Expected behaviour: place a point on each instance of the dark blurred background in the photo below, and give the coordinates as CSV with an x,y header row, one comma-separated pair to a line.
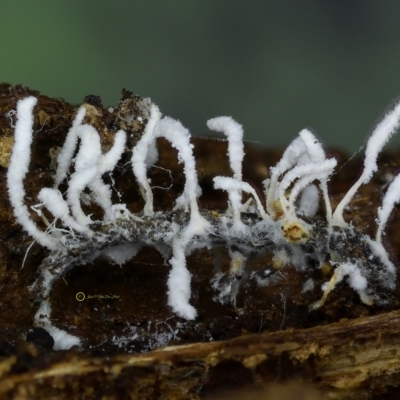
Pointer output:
x,y
275,66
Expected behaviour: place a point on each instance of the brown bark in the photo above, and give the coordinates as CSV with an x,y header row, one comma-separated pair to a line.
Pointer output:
x,y
346,349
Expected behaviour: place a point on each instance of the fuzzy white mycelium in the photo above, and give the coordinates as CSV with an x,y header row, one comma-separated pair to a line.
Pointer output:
x,y
287,227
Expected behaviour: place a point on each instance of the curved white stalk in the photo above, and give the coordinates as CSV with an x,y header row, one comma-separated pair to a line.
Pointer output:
x,y
140,155
305,175
392,197
234,133
67,152
379,137
18,168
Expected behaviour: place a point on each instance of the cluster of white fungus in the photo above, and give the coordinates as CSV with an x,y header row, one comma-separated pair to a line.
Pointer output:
x,y
285,227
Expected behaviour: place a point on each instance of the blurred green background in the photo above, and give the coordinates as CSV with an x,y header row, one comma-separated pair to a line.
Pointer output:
x,y
275,66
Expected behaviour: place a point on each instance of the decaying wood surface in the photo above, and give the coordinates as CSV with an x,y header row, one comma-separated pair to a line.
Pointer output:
x,y
348,359
346,350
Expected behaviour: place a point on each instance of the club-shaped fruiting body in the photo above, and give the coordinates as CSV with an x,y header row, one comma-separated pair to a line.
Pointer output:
x,y
287,227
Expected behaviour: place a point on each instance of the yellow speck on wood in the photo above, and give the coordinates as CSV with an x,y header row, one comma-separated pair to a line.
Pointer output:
x,y
294,232
326,268
253,361
6,145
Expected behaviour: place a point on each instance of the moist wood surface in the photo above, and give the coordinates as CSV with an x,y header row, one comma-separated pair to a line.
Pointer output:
x,y
346,349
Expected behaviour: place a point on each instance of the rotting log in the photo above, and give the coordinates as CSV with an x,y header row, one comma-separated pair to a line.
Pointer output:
x,y
346,359
346,349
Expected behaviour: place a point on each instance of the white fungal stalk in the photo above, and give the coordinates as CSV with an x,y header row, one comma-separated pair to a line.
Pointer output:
x,y
379,137
391,198
234,133
315,152
303,151
18,168
67,151
305,175
86,170
54,202
317,155
108,161
355,279
140,155
90,165
179,290
234,188
288,160
179,277
179,137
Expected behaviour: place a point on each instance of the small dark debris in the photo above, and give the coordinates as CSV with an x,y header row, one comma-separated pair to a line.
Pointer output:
x,y
40,337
